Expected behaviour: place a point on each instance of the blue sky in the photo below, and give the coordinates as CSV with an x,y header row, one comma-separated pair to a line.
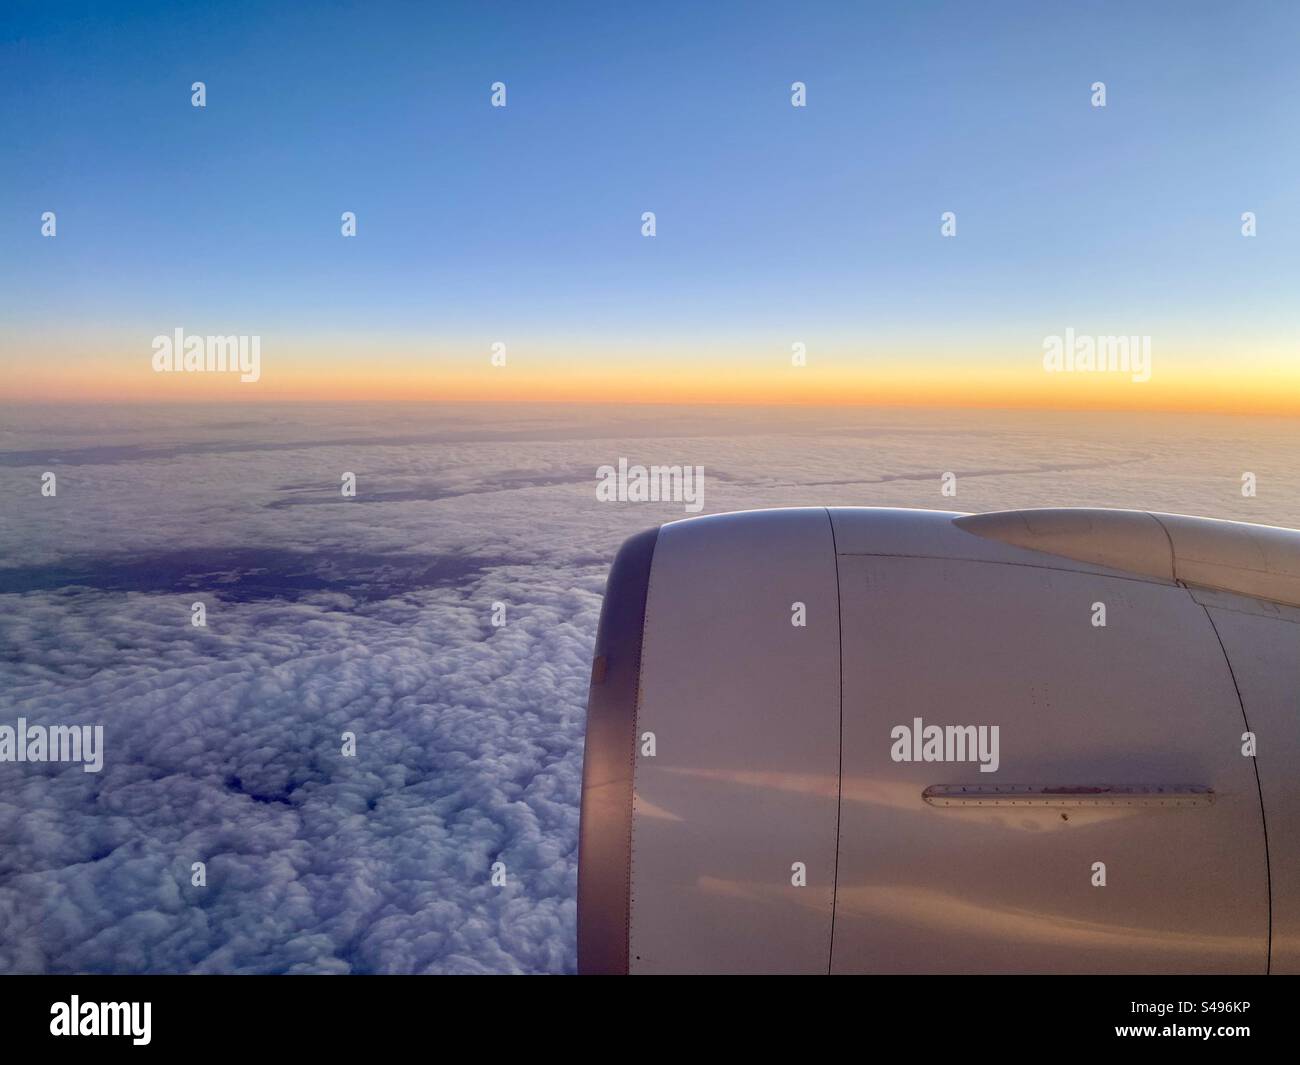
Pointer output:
x,y
820,222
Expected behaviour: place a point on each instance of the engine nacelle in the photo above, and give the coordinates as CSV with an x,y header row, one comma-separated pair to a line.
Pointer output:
x,y
868,740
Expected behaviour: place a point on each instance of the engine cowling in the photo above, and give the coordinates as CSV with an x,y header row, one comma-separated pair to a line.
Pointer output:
x,y
867,740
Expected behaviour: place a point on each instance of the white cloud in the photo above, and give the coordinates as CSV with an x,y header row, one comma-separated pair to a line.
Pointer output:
x,y
325,615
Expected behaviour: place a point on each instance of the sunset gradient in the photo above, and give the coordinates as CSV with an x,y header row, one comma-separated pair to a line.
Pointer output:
x,y
776,225
1268,383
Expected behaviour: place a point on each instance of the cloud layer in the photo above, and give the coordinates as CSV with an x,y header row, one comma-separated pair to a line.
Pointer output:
x,y
373,616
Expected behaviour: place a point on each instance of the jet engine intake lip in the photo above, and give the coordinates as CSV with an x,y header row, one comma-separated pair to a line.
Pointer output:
x,y
605,835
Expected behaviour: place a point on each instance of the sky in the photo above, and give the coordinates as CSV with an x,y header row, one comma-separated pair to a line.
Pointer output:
x,y
775,224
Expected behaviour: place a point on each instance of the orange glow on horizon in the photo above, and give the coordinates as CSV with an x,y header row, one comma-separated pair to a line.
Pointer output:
x,y
1263,390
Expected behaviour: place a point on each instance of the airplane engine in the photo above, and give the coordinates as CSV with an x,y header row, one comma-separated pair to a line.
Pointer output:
x,y
859,740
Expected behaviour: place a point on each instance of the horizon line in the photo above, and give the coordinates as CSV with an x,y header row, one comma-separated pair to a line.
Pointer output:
x,y
1289,410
